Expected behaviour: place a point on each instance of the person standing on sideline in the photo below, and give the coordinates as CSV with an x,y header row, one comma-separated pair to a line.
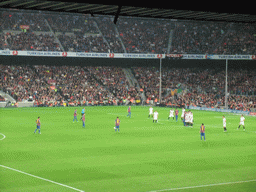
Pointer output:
x,y
129,111
224,123
202,131
83,111
117,123
241,122
83,119
38,124
75,116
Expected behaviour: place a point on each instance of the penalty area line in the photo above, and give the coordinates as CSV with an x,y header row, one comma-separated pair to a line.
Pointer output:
x,y
198,186
63,185
3,136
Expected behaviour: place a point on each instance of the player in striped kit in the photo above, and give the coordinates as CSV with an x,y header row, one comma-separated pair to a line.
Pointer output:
x,y
75,116
117,123
202,131
83,119
38,125
129,112
176,114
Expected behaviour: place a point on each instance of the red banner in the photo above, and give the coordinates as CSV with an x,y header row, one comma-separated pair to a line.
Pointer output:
x,y
174,55
24,26
253,113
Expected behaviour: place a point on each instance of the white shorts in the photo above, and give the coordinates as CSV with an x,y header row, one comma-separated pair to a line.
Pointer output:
x,y
155,119
182,115
241,123
224,124
171,115
150,113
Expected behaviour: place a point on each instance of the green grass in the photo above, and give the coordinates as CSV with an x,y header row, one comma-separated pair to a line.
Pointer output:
x,y
142,157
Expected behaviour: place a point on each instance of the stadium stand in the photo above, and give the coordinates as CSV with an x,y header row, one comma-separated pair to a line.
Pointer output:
x,y
84,33
50,84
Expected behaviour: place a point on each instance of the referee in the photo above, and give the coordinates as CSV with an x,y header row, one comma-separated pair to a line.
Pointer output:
x,y
83,111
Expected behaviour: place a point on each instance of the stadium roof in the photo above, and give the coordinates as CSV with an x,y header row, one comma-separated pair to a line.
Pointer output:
x,y
204,11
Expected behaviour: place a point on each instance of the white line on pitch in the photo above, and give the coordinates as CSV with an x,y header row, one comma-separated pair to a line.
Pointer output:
x,y
3,137
209,185
41,178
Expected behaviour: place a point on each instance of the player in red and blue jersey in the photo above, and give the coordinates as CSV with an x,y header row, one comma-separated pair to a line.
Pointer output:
x,y
83,119
75,116
38,124
176,114
117,123
129,111
202,131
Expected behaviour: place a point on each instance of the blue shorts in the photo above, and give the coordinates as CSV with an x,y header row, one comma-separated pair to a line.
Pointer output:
x,y
117,127
202,134
38,126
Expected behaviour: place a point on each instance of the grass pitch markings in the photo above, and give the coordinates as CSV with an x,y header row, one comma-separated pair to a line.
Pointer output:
x,y
3,136
209,185
42,178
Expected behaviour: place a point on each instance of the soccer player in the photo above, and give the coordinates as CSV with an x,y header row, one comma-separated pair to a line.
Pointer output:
x,y
83,119
75,116
83,111
190,118
202,131
241,122
129,111
117,123
171,114
224,123
155,117
150,111
182,114
176,114
38,124
184,119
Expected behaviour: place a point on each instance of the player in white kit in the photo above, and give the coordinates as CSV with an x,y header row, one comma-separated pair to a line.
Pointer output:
x,y
241,122
224,123
191,119
155,117
182,113
150,112
171,114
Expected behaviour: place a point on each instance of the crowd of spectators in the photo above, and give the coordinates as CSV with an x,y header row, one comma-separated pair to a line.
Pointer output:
x,y
114,79
81,43
13,20
240,40
144,36
79,84
71,23
213,38
108,31
201,87
31,42
197,37
52,85
23,84
85,33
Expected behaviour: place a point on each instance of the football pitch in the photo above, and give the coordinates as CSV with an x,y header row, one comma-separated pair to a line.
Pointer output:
x,y
144,156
